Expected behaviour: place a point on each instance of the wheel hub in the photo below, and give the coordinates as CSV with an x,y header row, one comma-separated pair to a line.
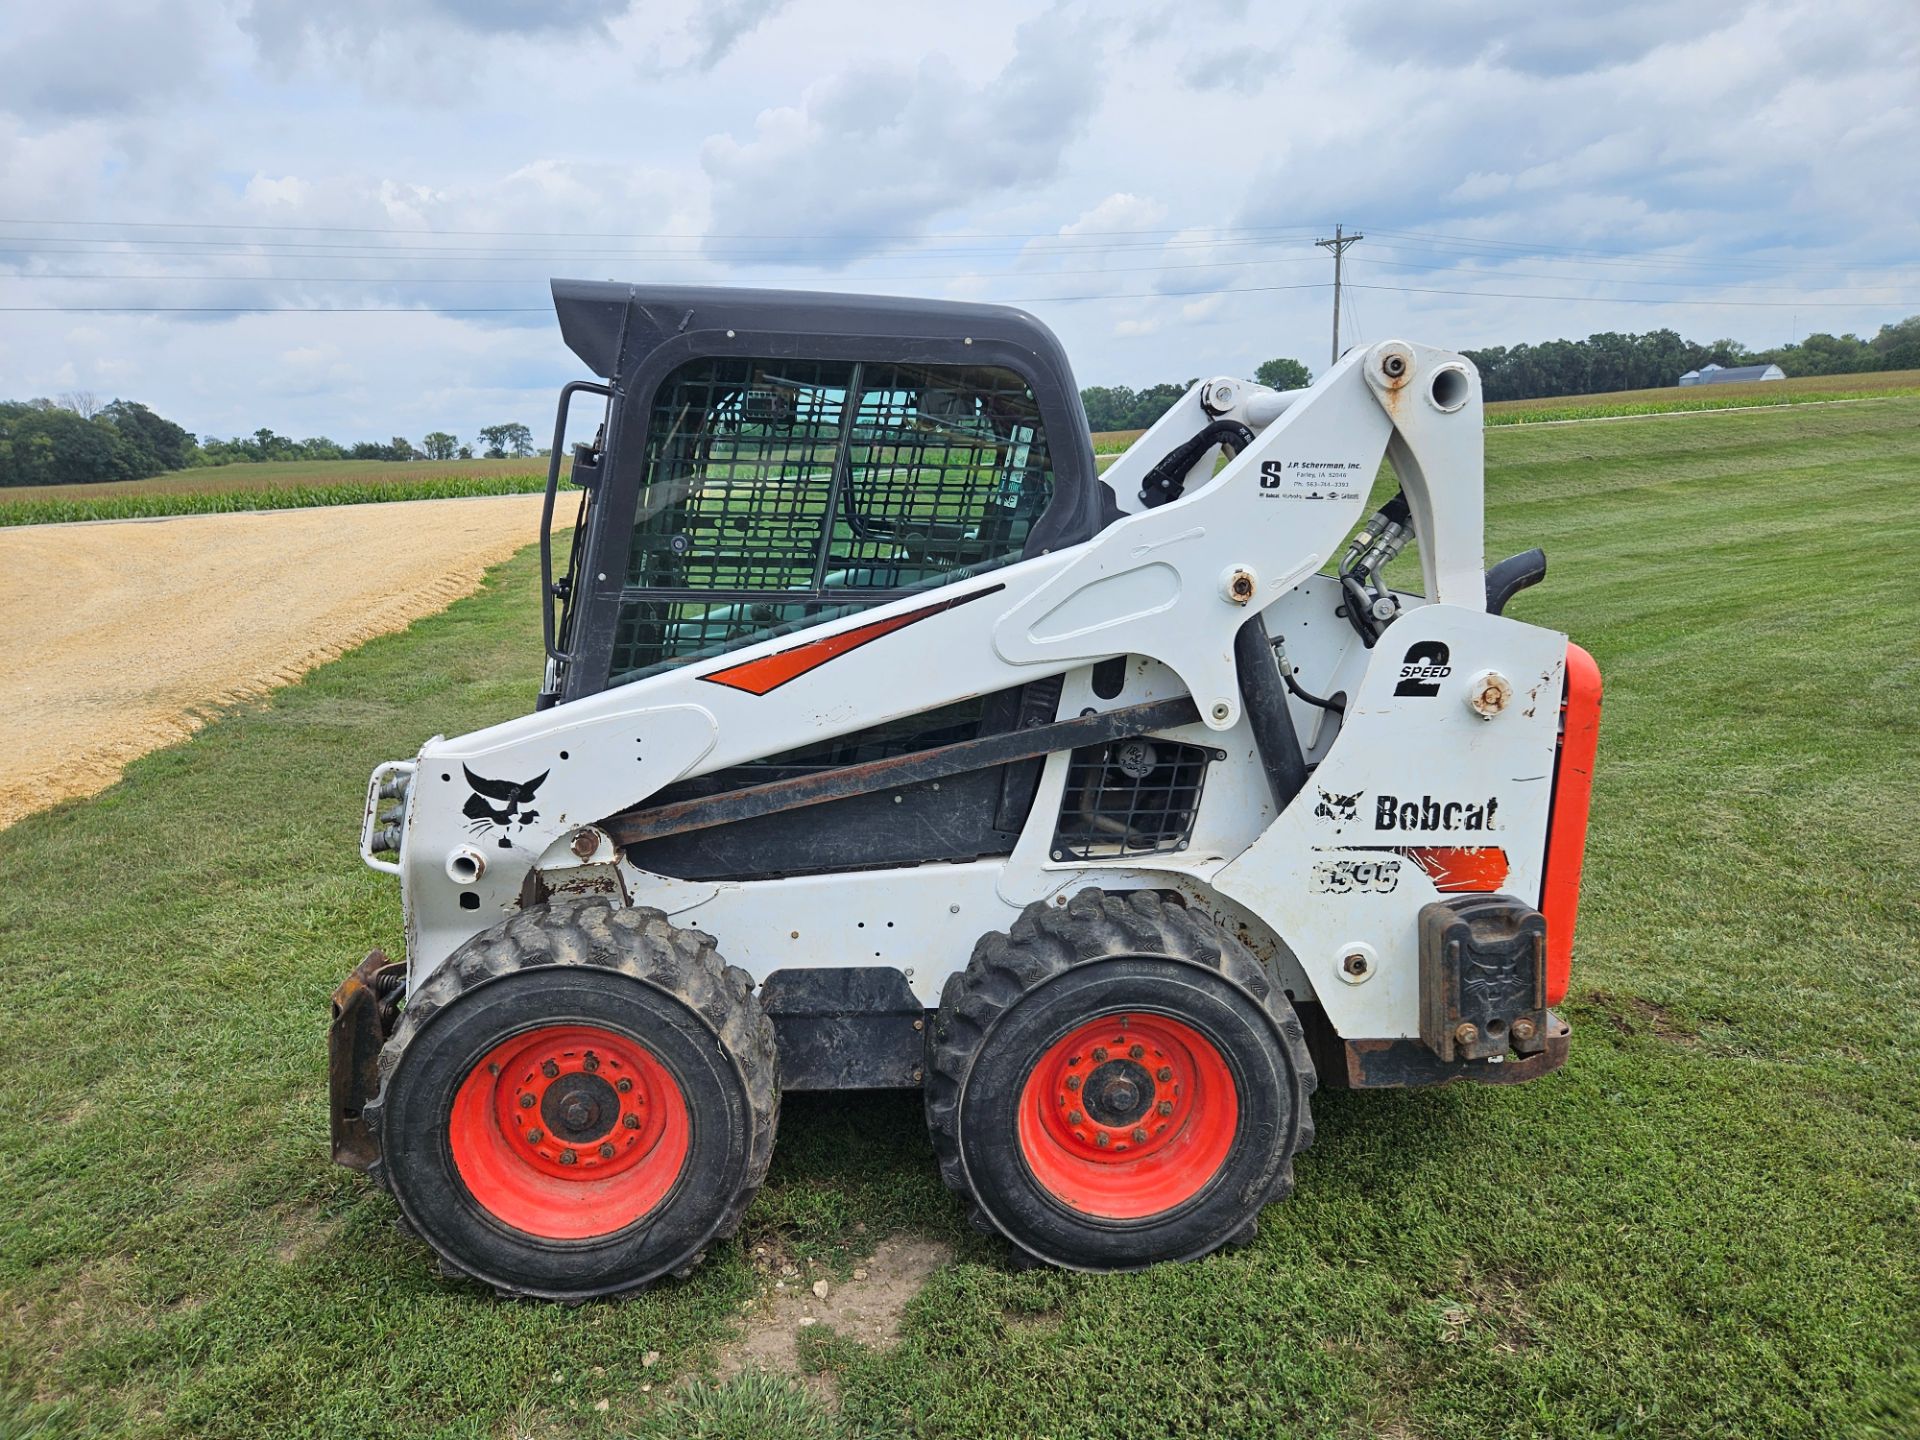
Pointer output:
x,y
1122,1088
1118,1093
575,1104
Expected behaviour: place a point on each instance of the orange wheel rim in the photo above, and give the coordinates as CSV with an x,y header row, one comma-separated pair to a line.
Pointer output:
x,y
1128,1116
569,1131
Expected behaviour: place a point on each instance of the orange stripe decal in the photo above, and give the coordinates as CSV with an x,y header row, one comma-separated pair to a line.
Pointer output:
x,y
1460,869
770,672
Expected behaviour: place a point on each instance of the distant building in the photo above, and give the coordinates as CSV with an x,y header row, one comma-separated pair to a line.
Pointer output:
x,y
1734,375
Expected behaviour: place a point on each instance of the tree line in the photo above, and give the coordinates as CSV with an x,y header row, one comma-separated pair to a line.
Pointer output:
x,y
1611,361
75,440
1600,363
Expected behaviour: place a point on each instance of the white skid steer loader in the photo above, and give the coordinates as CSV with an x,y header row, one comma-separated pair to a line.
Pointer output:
x,y
1116,812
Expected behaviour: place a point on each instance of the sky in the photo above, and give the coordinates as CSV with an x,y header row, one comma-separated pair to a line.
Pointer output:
x,y
341,218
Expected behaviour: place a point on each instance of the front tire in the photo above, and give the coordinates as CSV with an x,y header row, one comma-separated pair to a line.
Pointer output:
x,y
1116,1083
578,1101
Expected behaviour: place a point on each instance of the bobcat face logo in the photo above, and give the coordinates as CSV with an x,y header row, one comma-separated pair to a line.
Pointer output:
x,y
1339,808
512,795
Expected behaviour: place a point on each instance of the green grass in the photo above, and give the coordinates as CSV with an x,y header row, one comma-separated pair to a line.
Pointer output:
x,y
1707,1225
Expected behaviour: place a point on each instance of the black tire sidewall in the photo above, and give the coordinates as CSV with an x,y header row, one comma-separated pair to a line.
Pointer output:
x,y
1249,1042
435,1199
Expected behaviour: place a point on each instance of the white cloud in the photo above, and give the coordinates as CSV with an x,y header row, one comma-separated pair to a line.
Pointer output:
x,y
452,155
883,149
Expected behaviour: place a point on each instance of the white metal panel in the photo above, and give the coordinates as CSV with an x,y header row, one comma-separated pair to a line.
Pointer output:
x,y
1434,753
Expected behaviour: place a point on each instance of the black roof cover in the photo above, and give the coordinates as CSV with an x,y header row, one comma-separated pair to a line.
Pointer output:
x,y
605,322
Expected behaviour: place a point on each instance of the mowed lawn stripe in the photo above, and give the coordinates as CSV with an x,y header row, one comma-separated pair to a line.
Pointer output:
x,y
1706,1225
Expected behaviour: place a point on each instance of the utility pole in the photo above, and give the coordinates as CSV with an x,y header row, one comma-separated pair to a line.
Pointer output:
x,y
1338,245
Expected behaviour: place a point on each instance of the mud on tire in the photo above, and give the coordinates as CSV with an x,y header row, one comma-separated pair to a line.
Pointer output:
x,y
1115,1082
579,1100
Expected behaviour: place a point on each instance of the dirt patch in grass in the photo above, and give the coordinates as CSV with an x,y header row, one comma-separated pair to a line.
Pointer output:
x,y
1633,1015
866,1306
1500,1301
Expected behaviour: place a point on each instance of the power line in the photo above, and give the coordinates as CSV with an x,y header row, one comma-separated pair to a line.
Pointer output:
x,y
1338,245
319,249
642,234
548,309
1006,300
544,277
1222,237
1646,299
1542,248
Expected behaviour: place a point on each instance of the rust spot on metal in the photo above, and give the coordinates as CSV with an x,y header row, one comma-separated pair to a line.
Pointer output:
x,y
1394,1064
364,1006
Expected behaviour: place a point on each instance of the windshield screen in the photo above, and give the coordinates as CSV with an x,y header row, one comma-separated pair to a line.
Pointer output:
x,y
778,494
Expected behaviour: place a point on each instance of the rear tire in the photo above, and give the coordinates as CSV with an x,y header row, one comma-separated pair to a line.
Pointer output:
x,y
578,1101
1115,1083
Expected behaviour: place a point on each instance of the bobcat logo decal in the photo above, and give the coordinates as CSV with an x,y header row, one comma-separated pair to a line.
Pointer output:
x,y
511,795
1339,808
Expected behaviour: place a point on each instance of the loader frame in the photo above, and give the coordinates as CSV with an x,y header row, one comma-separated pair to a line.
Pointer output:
x,y
1166,593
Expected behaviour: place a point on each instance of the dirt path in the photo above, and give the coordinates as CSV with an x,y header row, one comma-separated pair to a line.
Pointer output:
x,y
116,636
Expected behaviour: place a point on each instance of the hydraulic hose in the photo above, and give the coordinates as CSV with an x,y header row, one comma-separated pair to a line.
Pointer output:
x,y
1267,713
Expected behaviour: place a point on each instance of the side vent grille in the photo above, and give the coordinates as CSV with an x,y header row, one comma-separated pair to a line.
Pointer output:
x,y
1130,797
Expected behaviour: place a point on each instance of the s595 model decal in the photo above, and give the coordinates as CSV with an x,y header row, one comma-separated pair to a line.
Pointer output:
x,y
1346,877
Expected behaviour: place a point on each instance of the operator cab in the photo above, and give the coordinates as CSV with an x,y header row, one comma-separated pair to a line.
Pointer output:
x,y
769,460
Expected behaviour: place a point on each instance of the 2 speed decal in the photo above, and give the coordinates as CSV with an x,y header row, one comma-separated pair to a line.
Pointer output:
x,y
1423,667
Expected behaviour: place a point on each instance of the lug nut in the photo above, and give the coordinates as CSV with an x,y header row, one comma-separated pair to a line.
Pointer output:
x,y
1136,1052
623,1085
591,1063
1073,1082
1074,1117
1140,1136
567,1157
492,1069
1165,1107
1099,1054
1467,1033
526,1102
1165,1073
1102,1139
632,1122
534,1137
606,1152
549,1069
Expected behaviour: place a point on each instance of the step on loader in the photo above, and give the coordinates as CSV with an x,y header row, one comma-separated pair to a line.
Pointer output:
x,y
883,741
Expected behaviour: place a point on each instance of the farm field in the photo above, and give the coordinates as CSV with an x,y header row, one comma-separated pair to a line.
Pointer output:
x,y
155,623
285,474
271,485
1707,1225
